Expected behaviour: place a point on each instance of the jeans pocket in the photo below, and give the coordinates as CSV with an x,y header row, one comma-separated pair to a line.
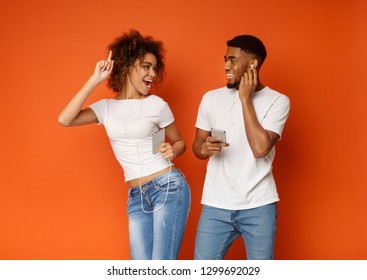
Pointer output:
x,y
173,184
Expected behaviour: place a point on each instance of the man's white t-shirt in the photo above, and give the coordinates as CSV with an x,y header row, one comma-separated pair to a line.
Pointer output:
x,y
235,179
129,125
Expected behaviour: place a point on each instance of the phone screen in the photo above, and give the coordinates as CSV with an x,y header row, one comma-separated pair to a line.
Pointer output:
x,y
157,139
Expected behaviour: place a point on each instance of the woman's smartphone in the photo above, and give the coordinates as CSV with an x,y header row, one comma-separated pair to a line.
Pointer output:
x,y
218,133
157,139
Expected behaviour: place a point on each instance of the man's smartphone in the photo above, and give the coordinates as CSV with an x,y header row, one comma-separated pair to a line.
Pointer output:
x,y
157,139
218,133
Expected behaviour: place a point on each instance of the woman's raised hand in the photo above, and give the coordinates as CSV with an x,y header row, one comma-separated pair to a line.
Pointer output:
x,y
103,68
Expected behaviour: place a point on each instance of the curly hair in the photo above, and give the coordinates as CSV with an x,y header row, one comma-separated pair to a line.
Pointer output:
x,y
126,49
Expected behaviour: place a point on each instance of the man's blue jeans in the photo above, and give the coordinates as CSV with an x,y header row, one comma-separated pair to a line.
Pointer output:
x,y
157,218
218,228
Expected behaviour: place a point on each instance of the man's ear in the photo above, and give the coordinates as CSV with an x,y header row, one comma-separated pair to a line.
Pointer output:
x,y
254,64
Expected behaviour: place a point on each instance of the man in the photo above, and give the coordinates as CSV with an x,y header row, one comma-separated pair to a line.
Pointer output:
x,y
239,195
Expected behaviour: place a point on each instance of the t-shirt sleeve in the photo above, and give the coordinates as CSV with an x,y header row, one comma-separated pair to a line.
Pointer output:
x,y
202,120
99,109
277,115
165,117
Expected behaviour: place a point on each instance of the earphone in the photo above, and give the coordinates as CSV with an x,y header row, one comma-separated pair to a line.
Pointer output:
x,y
141,172
254,64
128,96
165,199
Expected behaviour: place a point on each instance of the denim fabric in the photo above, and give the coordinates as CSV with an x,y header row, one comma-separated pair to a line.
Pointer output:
x,y
218,228
157,218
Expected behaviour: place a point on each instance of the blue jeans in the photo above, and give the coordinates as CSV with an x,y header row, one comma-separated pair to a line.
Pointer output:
x,y
218,228
157,217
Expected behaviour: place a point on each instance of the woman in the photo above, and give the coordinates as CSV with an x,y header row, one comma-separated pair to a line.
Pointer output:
x,y
159,196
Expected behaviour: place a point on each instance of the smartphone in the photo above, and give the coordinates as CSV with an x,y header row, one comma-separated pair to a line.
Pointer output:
x,y
218,133
157,139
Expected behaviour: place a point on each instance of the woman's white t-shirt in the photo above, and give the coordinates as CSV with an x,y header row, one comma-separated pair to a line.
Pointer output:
x,y
130,124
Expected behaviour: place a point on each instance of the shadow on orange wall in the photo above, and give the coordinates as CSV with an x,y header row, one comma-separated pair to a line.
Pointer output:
x,y
62,194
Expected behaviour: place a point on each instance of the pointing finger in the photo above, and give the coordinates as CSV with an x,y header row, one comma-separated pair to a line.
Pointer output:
x,y
109,55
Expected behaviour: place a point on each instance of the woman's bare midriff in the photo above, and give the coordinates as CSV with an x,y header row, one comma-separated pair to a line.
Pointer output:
x,y
140,181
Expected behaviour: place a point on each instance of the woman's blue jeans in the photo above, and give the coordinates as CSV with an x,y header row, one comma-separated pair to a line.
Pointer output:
x,y
158,213
218,228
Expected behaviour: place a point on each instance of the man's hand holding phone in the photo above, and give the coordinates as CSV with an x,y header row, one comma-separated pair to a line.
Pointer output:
x,y
213,144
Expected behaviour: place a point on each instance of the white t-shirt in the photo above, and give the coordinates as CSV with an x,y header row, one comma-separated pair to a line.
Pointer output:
x,y
235,179
129,125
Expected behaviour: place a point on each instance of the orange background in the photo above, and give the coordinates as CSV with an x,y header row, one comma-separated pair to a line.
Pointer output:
x,y
62,194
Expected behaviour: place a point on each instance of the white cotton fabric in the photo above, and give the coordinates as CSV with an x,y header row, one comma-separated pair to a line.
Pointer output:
x,y
129,125
235,179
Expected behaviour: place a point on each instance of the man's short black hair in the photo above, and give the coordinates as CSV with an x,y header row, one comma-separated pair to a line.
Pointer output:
x,y
249,44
